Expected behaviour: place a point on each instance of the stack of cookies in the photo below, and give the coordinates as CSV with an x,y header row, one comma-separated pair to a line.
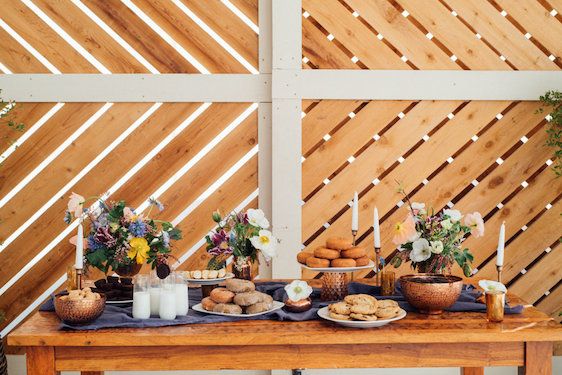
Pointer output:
x,y
238,297
364,307
339,252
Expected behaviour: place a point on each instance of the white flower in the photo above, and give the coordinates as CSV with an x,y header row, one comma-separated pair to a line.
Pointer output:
x,y
257,218
436,247
492,286
454,215
447,224
298,290
418,207
264,242
421,251
414,237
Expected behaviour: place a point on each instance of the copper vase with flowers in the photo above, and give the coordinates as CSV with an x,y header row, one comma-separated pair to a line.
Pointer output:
x,y
242,235
122,238
433,243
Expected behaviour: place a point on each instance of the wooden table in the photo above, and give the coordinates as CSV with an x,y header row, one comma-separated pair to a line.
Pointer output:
x,y
463,340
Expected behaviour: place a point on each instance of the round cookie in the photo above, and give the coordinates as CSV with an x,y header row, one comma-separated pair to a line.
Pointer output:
x,y
363,261
221,295
258,307
343,262
323,253
337,316
303,256
354,252
364,309
340,308
264,297
227,308
314,262
384,303
208,304
247,298
339,243
365,317
388,312
239,285
360,299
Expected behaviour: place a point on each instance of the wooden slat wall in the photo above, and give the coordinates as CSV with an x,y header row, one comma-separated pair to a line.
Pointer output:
x,y
36,248
356,146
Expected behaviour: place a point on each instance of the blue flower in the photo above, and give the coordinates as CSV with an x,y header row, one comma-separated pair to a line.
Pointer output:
x,y
156,203
67,217
93,245
166,239
137,228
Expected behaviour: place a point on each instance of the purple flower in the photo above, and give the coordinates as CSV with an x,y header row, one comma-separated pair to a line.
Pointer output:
x,y
103,236
137,228
67,217
93,245
242,217
156,203
220,243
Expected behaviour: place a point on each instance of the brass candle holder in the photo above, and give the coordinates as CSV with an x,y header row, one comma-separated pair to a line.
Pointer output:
x,y
354,235
495,302
377,273
500,269
79,278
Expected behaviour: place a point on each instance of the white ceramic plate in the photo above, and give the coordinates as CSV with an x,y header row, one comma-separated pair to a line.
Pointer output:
x,y
122,302
229,275
276,306
325,314
341,269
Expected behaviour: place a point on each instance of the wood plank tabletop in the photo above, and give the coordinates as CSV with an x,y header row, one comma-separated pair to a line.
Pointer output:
x,y
42,329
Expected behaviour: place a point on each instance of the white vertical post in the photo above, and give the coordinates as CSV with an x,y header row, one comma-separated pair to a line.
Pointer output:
x,y
264,121
286,134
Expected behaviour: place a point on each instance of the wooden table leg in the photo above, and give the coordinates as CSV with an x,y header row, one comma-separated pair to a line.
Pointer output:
x,y
40,360
472,370
538,358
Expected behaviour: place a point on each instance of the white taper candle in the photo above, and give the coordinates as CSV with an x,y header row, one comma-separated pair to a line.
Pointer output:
x,y
355,213
501,246
79,264
376,228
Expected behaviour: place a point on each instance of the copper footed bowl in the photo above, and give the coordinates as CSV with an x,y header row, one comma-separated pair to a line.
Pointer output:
x,y
431,293
79,311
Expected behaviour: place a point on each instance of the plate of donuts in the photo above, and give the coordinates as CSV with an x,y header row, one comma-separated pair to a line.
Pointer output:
x,y
208,277
238,298
338,255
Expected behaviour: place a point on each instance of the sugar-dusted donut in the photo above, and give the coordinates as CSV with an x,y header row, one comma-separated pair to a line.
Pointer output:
x,y
227,308
363,261
303,256
208,304
314,262
354,252
221,295
239,285
342,262
324,253
339,243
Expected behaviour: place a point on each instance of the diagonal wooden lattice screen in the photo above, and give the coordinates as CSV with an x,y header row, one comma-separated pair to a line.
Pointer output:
x,y
196,157
488,156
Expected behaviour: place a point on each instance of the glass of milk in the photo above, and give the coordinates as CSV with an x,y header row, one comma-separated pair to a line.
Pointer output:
x,y
167,308
154,289
141,297
182,301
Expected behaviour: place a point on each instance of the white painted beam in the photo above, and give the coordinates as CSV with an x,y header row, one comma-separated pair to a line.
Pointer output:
x,y
286,134
428,85
136,87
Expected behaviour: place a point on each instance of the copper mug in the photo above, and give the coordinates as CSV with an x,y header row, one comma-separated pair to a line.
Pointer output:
x,y
495,302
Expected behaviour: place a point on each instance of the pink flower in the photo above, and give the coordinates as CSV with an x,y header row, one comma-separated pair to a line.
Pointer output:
x,y
405,231
76,204
476,224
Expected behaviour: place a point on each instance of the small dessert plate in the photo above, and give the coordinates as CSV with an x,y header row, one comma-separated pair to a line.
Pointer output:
x,y
229,275
276,306
325,314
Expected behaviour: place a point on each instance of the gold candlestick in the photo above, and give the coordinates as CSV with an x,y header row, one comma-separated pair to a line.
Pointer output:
x,y
354,234
500,269
377,275
79,278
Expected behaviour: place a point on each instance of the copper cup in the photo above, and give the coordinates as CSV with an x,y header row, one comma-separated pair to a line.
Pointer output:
x,y
495,302
387,283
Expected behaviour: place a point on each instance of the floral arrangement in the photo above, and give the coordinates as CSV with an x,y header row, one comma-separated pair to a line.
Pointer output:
x,y
242,235
119,237
298,290
433,241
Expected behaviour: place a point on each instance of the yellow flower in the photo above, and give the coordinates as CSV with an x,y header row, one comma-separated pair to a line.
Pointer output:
x,y
139,249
